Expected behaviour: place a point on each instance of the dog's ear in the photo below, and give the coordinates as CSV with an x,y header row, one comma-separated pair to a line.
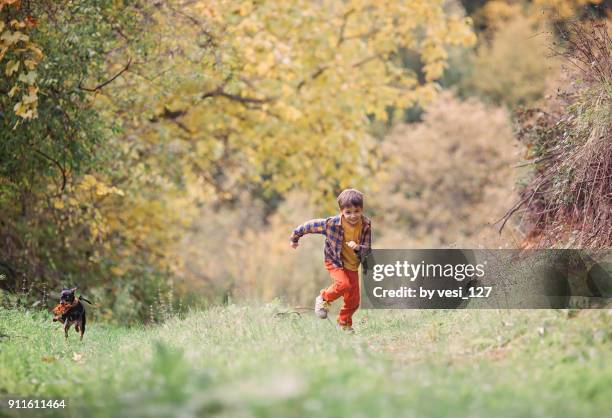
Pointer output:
x,y
73,289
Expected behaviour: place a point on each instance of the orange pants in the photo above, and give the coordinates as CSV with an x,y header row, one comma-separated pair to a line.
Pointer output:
x,y
345,284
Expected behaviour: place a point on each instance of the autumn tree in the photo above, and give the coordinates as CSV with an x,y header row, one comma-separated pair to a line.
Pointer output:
x,y
154,108
271,96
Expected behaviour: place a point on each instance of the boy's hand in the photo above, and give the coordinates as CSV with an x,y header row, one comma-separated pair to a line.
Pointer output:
x,y
353,245
293,244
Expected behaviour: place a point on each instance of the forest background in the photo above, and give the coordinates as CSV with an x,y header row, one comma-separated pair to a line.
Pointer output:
x,y
157,154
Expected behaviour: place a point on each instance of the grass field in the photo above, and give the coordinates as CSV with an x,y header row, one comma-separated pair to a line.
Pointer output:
x,y
245,361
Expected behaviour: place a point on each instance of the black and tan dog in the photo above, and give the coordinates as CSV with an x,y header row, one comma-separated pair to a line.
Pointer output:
x,y
71,311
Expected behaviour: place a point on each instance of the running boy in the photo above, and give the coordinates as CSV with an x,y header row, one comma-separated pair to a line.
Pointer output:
x,y
348,240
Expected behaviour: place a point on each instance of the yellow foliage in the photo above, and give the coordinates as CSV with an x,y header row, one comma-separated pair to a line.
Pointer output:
x,y
279,93
11,67
87,203
13,39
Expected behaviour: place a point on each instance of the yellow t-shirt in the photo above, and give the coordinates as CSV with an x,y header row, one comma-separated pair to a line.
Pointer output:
x,y
350,259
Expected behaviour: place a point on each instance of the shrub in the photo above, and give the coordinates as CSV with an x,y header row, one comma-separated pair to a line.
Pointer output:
x,y
568,198
444,180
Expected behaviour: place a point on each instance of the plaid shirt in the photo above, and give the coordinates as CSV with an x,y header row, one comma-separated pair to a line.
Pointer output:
x,y
332,229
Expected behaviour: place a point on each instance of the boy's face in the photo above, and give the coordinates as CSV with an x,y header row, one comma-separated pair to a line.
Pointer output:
x,y
352,214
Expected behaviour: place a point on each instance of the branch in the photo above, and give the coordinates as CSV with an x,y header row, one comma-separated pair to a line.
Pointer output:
x,y
367,34
526,199
62,170
345,17
314,76
219,92
367,59
100,86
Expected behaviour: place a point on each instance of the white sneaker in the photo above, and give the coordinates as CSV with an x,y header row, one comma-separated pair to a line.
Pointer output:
x,y
321,307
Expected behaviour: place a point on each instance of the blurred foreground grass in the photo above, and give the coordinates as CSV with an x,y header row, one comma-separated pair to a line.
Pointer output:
x,y
245,361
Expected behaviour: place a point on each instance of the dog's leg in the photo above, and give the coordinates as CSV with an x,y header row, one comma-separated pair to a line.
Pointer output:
x,y
83,321
78,327
66,328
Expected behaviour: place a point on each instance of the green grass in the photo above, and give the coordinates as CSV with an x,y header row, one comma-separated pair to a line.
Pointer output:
x,y
243,361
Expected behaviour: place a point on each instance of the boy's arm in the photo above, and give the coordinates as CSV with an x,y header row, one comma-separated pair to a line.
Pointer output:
x,y
364,249
314,226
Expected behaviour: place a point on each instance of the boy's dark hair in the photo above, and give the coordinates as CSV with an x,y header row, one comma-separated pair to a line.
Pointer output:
x,y
350,197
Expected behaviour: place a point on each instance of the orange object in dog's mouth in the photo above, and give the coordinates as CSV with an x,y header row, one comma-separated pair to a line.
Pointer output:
x,y
61,308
